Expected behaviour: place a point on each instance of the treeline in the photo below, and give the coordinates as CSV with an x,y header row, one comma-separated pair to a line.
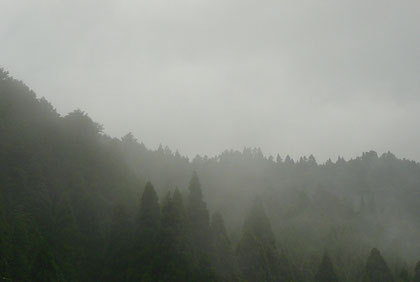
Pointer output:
x,y
75,205
176,242
173,241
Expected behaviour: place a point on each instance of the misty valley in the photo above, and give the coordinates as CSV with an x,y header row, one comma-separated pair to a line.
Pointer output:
x,y
79,205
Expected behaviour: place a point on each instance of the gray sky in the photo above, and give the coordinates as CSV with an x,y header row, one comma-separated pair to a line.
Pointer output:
x,y
292,77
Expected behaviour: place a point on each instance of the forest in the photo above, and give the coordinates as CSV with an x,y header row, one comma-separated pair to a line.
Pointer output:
x,y
79,205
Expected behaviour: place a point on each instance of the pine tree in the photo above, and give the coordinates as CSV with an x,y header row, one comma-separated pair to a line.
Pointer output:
x,y
147,232
198,218
376,269
44,267
403,275
148,218
118,250
222,256
198,233
326,271
257,253
172,257
417,273
64,236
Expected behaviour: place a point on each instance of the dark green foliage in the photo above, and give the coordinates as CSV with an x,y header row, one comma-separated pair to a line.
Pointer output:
x,y
118,254
148,219
198,219
403,275
326,271
44,267
173,261
147,235
257,253
222,255
376,269
417,272
198,234
70,211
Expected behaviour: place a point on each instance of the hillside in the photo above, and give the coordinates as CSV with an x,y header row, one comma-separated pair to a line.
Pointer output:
x,y
78,205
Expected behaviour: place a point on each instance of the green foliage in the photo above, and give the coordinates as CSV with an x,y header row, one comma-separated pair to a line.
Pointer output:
x,y
198,220
326,271
148,219
222,255
376,269
403,276
69,208
417,272
119,247
257,253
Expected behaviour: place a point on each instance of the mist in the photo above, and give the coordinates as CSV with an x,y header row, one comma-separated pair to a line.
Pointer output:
x,y
209,141
202,77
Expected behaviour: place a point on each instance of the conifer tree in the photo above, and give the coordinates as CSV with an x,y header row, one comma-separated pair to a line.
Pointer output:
x,y
376,269
172,256
222,256
148,218
403,275
148,227
417,273
326,271
198,218
44,267
257,253
118,250
198,233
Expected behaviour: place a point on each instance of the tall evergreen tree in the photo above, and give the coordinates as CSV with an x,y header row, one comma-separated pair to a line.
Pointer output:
x,y
148,217
147,233
257,253
326,271
172,258
376,269
403,275
119,246
222,256
198,233
198,218
44,267
417,273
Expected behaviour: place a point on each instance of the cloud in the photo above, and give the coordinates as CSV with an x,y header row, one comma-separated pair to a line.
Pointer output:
x,y
329,78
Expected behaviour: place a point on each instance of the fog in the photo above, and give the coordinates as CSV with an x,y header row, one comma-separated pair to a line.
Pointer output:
x,y
291,77
210,140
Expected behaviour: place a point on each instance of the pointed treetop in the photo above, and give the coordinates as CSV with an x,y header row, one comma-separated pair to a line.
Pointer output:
x,y
217,224
149,194
288,160
326,270
195,186
376,268
129,138
257,253
197,208
257,223
177,198
149,213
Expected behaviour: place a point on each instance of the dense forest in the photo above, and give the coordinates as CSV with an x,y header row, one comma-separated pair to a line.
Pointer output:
x,y
78,205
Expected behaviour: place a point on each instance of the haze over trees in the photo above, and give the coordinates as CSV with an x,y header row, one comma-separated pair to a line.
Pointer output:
x,y
78,205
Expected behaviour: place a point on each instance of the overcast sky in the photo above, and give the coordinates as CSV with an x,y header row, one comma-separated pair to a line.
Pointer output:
x,y
292,77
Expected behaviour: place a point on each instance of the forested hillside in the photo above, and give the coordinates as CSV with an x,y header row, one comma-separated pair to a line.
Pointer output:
x,y
78,205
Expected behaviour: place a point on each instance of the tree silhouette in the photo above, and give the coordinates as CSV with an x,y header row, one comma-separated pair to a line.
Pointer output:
x,y
376,269
257,253
417,272
222,257
326,271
